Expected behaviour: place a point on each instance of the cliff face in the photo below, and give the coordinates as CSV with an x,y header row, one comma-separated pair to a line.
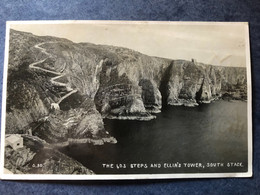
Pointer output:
x,y
51,87
61,90
192,83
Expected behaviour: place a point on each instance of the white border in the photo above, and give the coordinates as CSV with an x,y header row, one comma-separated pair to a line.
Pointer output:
x,y
249,103
125,176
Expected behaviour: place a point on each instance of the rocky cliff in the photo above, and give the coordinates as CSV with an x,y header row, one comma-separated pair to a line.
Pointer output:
x,y
191,83
51,90
61,90
38,157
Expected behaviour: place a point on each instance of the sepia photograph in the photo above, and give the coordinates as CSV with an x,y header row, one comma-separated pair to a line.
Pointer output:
x,y
126,100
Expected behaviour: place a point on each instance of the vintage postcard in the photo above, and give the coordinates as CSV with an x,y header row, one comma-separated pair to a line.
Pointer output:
x,y
126,100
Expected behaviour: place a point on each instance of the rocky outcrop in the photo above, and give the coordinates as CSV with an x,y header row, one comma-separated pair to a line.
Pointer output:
x,y
191,83
38,157
43,72
119,98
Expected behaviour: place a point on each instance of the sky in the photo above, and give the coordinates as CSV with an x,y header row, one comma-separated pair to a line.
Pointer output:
x,y
211,43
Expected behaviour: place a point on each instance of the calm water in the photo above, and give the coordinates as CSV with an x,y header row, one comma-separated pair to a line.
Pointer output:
x,y
209,133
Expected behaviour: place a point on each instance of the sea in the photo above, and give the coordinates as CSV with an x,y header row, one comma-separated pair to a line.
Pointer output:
x,y
209,138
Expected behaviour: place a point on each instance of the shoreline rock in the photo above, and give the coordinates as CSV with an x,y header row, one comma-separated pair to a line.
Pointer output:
x,y
139,118
93,141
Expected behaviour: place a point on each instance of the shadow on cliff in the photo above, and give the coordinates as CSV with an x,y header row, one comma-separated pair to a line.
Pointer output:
x,y
164,88
199,93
